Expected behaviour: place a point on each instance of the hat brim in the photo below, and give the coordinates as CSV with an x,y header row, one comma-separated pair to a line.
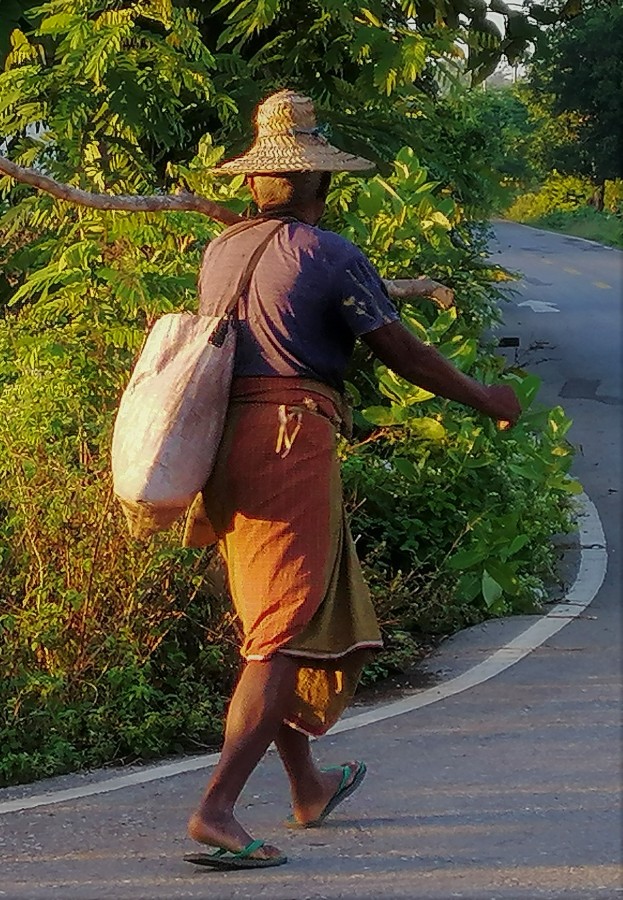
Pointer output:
x,y
296,153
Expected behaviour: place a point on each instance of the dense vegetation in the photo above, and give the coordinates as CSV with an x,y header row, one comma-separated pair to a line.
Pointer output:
x,y
567,115
114,650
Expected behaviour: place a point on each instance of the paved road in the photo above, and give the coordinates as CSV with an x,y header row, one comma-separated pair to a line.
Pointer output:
x,y
509,790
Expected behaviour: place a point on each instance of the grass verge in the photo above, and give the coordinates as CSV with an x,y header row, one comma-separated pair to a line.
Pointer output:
x,y
586,222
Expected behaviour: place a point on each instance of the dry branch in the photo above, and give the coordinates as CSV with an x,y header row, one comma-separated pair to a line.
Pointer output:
x,y
405,288
400,289
178,202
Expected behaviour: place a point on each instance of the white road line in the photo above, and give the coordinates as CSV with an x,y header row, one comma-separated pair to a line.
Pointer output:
x,y
592,571
540,306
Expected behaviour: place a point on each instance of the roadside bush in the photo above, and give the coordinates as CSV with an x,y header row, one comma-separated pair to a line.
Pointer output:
x,y
586,222
112,650
561,204
613,196
559,193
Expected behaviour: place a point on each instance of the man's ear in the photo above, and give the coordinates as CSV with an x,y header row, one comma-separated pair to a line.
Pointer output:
x,y
250,182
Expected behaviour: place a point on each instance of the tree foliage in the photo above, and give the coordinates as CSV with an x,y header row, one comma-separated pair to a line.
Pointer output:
x,y
111,649
345,33
577,75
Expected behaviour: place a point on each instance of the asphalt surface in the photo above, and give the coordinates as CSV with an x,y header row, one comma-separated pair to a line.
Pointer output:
x,y
511,789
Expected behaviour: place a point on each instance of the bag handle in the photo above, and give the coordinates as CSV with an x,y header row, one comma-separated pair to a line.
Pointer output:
x,y
217,338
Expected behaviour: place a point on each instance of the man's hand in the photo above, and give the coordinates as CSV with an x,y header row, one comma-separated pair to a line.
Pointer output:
x,y
501,404
423,365
442,295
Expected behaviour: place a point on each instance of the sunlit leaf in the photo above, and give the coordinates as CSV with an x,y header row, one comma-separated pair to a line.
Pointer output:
x,y
491,589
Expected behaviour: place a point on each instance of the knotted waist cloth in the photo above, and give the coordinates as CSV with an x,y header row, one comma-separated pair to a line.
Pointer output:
x,y
274,503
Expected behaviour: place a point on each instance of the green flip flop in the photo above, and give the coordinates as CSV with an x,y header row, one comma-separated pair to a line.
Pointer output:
x,y
228,860
345,789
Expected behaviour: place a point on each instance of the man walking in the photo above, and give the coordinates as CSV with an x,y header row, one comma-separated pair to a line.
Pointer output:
x,y
274,500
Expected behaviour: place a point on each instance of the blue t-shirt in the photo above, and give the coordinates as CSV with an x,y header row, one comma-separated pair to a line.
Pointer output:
x,y
311,294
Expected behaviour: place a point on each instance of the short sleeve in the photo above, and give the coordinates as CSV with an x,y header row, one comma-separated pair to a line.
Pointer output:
x,y
364,302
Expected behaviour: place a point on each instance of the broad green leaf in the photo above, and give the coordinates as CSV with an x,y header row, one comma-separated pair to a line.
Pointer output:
x,y
441,324
569,485
439,219
381,415
418,395
516,544
526,387
461,350
491,589
405,467
428,429
465,559
370,202
353,392
415,326
389,189
477,462
468,587
505,575
528,469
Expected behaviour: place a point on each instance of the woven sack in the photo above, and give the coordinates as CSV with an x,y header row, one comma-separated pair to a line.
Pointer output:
x,y
170,421
172,413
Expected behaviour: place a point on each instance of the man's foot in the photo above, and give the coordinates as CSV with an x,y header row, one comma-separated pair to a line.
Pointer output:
x,y
332,786
222,830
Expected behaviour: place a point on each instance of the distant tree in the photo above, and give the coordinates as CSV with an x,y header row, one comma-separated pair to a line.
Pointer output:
x,y
109,649
577,74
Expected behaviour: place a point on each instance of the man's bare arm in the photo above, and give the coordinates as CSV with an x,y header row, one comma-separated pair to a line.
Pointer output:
x,y
424,366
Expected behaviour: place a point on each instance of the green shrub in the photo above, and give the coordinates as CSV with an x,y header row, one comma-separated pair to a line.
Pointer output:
x,y
613,196
559,193
587,222
113,650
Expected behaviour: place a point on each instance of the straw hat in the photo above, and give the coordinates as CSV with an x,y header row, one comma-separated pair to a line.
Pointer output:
x,y
288,140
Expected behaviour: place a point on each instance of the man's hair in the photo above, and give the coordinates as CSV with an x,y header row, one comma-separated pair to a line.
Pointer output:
x,y
290,189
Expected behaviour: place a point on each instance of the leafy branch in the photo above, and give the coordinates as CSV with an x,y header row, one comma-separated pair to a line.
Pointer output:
x,y
185,201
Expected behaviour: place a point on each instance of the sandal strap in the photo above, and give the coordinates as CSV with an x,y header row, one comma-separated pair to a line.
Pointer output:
x,y
347,770
249,850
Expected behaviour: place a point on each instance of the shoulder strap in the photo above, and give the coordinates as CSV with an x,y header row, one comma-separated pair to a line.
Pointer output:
x,y
243,279
247,267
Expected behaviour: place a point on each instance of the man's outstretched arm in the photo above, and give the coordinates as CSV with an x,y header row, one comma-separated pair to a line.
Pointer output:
x,y
424,366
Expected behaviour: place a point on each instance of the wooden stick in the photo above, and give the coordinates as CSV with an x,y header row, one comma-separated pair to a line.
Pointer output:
x,y
400,289
185,201
405,288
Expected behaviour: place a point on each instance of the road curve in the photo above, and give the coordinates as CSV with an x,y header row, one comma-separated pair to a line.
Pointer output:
x,y
508,791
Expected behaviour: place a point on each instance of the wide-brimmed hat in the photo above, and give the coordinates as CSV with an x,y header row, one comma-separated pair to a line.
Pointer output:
x,y
288,140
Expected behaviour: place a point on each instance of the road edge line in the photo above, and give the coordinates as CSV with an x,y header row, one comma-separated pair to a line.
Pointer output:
x,y
575,237
588,581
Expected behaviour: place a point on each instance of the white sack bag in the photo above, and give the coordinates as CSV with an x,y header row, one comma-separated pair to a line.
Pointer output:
x,y
172,413
170,420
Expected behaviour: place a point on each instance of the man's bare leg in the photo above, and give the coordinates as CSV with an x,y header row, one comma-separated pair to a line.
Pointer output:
x,y
311,788
255,715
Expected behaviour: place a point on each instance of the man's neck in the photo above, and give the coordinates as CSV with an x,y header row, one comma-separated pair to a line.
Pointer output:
x,y
291,212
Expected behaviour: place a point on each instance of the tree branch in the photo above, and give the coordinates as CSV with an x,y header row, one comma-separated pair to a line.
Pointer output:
x,y
400,289
178,202
405,288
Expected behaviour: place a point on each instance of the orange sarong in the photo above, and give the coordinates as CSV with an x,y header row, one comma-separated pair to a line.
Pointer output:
x,y
274,501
